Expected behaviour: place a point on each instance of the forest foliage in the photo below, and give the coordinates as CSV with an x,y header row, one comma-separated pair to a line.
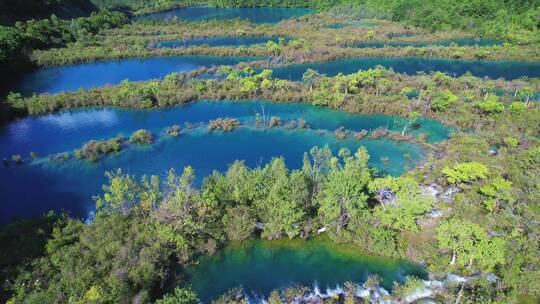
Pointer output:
x,y
513,20
17,42
485,221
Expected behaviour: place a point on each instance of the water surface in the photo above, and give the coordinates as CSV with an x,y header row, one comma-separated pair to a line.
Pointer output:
x,y
66,130
411,65
95,74
233,41
261,266
255,15
458,42
43,184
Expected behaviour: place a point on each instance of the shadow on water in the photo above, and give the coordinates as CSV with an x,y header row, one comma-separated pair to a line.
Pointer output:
x,y
96,74
260,266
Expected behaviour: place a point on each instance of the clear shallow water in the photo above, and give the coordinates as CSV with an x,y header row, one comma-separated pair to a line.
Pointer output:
x,y
36,187
95,74
412,65
255,15
217,41
460,42
261,266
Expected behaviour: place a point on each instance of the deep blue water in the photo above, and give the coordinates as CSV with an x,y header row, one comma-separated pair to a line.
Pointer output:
x,y
40,185
255,15
460,42
412,65
95,74
236,41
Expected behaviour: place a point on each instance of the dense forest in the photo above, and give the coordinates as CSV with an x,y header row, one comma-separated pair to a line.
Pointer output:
x,y
513,20
12,11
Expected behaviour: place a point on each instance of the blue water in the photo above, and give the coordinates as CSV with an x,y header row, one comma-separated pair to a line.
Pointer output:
x,y
41,185
255,15
459,42
95,74
411,65
88,75
236,41
260,266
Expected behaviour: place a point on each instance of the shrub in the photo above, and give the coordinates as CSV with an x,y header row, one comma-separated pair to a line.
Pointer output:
x,y
491,105
465,172
93,149
274,122
443,101
173,131
223,124
60,157
142,136
378,133
517,108
341,133
17,158
361,134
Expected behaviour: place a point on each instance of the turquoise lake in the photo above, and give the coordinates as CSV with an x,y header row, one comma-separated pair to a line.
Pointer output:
x,y
57,79
260,266
412,65
69,185
234,41
94,74
459,42
255,15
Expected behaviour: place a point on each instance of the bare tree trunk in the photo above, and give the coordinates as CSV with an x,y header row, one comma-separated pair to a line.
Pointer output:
x,y
460,294
453,261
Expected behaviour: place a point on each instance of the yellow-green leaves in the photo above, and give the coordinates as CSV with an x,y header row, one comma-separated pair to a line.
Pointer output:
x,y
465,173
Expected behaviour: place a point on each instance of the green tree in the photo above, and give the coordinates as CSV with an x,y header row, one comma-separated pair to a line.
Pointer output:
x,y
309,77
239,223
180,296
498,191
465,173
281,209
343,195
401,202
468,243
491,105
120,194
443,101
186,213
